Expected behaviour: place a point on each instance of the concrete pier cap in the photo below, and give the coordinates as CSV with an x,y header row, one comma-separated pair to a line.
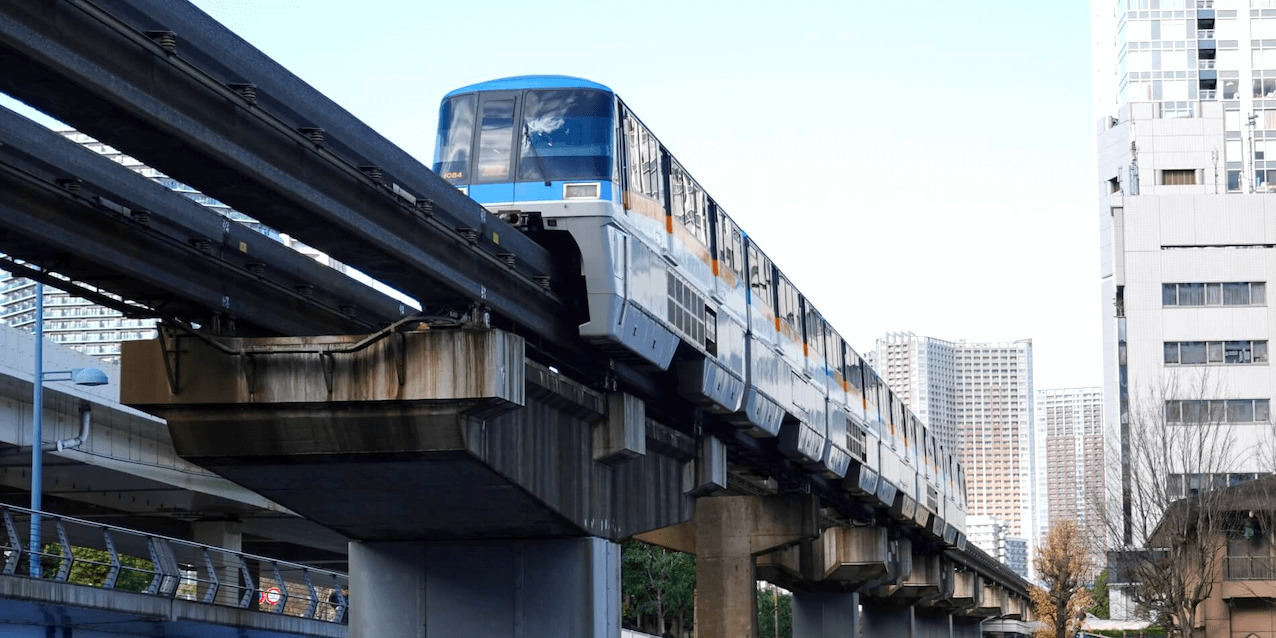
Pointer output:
x,y
414,434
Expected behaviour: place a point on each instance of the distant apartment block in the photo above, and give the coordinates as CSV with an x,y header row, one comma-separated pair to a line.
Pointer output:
x,y
977,399
1070,425
994,537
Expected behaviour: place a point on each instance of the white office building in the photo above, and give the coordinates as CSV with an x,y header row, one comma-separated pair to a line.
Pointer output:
x,y
1186,108
1189,221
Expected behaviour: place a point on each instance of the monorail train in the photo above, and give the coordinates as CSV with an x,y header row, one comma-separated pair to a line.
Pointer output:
x,y
672,282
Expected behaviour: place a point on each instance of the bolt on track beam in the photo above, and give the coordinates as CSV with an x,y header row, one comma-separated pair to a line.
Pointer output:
x,y
189,111
88,218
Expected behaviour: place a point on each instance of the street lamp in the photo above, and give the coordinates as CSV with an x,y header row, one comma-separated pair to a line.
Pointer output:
x,y
78,376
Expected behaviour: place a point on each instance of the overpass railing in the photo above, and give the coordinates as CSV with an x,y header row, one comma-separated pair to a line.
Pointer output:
x,y
93,554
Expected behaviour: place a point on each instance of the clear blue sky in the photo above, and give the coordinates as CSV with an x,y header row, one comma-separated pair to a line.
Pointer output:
x,y
922,166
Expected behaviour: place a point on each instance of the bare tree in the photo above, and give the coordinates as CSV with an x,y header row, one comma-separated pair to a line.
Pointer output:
x,y
1166,513
1063,563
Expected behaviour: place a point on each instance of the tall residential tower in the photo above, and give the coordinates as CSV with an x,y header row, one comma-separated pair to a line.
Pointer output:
x,y
977,399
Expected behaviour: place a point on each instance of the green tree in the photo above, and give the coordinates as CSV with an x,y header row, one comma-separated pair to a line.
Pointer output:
x,y
657,587
92,566
773,602
1100,595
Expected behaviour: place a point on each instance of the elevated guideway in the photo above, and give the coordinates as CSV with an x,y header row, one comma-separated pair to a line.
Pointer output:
x,y
159,254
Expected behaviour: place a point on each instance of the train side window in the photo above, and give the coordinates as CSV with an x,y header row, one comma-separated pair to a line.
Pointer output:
x,y
496,140
814,332
759,275
854,372
788,301
730,242
833,356
688,203
633,153
643,158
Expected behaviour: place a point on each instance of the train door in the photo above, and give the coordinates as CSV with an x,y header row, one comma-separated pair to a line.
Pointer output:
x,y
493,176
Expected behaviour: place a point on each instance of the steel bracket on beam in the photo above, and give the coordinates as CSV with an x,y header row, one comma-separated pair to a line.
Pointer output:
x,y
172,361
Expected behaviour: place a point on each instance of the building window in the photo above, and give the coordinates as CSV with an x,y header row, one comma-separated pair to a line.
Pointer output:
x,y
1215,352
1178,177
1206,411
1242,293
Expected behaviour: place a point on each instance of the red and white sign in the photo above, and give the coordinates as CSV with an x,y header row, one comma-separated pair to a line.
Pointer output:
x,y
271,596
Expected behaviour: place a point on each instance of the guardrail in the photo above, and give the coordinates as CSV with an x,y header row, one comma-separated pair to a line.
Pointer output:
x,y
116,558
1250,568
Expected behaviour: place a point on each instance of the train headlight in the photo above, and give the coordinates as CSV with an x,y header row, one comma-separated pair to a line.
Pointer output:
x,y
580,191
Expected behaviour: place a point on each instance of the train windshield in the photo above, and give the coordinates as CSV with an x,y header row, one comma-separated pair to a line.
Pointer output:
x,y
567,134
456,136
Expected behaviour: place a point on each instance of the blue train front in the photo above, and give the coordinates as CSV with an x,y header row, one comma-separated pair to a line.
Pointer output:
x,y
668,279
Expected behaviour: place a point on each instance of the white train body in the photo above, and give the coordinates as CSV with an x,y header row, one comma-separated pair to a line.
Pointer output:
x,y
669,280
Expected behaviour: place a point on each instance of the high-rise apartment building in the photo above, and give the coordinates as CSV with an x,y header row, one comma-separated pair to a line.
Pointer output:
x,y
1187,94
1070,435
977,399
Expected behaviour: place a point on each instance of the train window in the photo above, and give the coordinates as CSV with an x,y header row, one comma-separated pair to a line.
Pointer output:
x,y
833,356
787,301
633,153
759,275
455,140
730,245
566,134
496,140
643,159
814,332
855,374
688,203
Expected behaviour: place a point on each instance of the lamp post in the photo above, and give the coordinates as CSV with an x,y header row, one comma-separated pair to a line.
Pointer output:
x,y
78,376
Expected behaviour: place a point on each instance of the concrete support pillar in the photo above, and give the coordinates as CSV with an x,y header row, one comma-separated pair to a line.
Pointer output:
x,y
729,532
496,589
893,621
826,615
967,627
936,623
227,535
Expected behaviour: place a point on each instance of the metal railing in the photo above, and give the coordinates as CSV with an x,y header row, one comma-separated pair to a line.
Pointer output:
x,y
115,558
1205,64
1204,34
1250,568
1209,94
1204,4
